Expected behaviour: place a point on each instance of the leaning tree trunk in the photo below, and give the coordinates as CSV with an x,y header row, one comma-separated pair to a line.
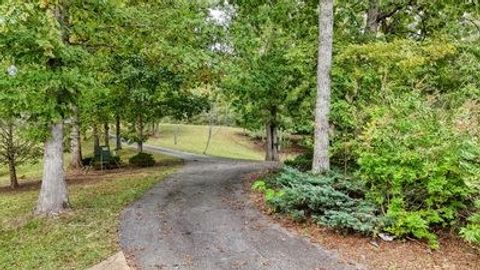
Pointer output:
x,y
53,193
321,161
75,142
209,138
118,136
106,135
139,134
271,145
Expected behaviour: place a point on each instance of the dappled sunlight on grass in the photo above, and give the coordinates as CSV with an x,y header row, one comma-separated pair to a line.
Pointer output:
x,y
84,235
225,142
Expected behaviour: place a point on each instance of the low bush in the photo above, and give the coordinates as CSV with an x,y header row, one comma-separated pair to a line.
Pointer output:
x,y
471,231
88,161
113,162
331,200
301,162
142,160
417,168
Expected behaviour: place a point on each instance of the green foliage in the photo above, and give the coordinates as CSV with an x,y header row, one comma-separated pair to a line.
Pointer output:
x,y
471,232
87,161
302,162
415,166
113,162
268,77
259,185
142,160
406,125
331,200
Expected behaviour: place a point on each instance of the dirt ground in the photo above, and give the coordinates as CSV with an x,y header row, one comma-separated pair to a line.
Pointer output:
x,y
408,254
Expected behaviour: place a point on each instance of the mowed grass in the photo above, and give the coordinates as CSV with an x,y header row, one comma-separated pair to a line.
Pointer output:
x,y
83,236
225,142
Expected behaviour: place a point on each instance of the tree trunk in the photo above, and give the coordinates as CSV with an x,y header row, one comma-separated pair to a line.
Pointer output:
x,y
152,128
156,128
372,16
210,129
321,160
175,134
118,135
139,134
13,173
53,197
106,135
96,139
271,145
75,142
11,155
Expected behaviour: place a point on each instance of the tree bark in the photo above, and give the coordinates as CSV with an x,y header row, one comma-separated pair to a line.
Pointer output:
x,y
271,145
75,142
321,160
118,136
53,197
96,139
210,129
372,16
139,134
11,155
106,135
156,128
13,173
175,134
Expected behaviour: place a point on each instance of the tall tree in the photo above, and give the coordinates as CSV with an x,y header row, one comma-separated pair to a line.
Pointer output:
x,y
53,196
321,160
33,36
50,42
266,71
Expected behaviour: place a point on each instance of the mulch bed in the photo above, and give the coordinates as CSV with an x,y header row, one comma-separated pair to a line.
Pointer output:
x,y
407,254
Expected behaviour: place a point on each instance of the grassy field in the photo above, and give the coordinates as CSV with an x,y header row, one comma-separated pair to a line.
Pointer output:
x,y
225,142
87,233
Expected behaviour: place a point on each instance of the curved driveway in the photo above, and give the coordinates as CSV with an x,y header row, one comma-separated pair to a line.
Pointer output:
x,y
200,218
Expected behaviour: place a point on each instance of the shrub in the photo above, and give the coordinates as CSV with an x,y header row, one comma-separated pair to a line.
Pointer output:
x,y
416,167
471,232
142,160
259,185
301,162
113,162
87,161
331,200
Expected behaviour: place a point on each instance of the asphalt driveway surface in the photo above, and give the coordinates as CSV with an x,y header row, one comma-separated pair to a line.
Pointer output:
x,y
201,218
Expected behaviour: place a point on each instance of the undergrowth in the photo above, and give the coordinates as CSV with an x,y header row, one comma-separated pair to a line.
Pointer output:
x,y
331,200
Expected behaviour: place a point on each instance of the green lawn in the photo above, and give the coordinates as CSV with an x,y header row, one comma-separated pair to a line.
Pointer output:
x,y
226,141
83,236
